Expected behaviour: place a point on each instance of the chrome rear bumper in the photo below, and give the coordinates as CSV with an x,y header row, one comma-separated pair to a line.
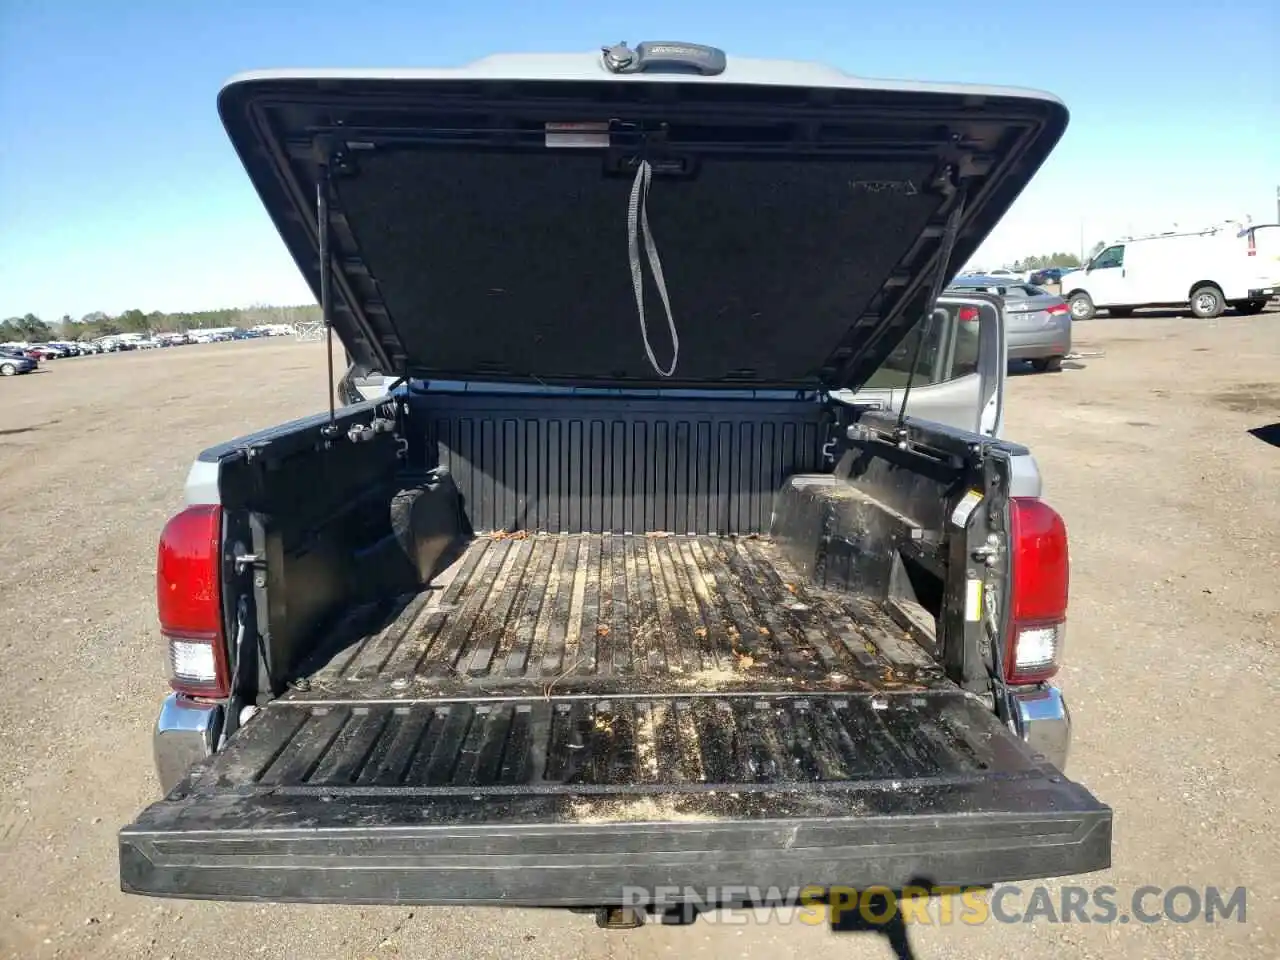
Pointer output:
x,y
186,732
1044,722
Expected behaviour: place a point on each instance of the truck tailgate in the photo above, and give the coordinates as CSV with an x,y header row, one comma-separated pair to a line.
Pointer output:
x,y
568,800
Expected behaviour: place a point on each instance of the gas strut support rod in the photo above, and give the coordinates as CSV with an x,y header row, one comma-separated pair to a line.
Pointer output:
x,y
936,283
326,285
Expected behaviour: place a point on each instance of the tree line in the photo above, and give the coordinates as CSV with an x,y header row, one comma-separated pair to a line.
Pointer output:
x,y
1047,260
34,329
30,328
1067,261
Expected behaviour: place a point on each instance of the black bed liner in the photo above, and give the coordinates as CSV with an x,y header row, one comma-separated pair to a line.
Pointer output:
x,y
568,801
627,745
606,614
568,716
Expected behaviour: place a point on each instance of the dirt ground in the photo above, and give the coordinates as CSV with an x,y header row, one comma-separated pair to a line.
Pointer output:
x,y
1161,446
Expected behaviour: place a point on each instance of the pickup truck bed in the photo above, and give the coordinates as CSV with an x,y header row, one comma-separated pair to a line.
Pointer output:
x,y
657,614
561,716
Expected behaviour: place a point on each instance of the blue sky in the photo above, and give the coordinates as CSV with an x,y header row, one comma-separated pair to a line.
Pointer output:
x,y
118,188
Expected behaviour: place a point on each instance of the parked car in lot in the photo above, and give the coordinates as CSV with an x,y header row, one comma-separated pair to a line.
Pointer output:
x,y
588,608
117,343
1048,275
14,362
1039,322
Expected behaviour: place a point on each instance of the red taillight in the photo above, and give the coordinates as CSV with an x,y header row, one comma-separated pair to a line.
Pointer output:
x,y
1057,310
968,314
1040,576
189,601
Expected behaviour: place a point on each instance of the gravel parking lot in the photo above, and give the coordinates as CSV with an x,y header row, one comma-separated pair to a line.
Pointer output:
x,y
1161,447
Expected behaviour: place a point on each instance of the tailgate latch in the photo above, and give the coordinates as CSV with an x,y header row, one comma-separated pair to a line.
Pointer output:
x,y
249,561
989,552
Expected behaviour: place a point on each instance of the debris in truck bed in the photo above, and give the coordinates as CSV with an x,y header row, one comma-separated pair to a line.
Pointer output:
x,y
710,680
657,808
604,754
531,614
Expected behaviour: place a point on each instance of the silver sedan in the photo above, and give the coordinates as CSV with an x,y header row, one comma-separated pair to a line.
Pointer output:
x,y
1038,322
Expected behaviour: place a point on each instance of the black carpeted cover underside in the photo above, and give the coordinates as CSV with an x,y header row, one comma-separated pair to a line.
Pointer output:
x,y
515,264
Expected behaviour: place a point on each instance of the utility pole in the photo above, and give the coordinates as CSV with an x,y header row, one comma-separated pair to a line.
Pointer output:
x,y
1278,203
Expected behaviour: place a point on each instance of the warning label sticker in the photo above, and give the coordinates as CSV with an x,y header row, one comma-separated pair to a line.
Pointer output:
x,y
964,509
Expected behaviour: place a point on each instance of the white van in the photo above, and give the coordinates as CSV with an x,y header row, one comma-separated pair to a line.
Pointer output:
x,y
1262,248
1206,272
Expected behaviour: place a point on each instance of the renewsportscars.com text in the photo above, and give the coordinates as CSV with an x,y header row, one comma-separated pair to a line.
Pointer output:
x,y
942,906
